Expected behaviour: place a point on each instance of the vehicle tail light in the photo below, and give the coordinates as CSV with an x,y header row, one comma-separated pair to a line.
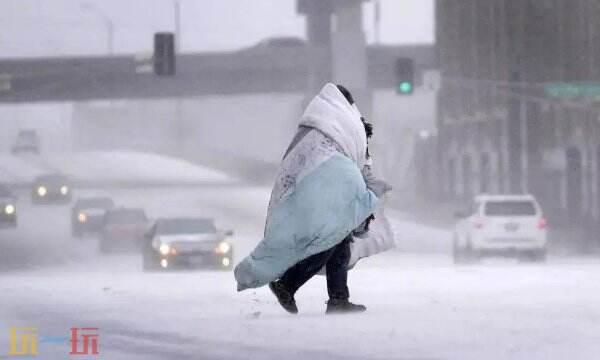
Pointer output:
x,y
479,223
542,224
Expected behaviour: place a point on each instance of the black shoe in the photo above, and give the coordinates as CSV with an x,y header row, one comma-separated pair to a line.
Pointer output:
x,y
285,298
343,307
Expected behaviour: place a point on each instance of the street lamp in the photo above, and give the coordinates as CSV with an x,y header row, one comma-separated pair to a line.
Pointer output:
x,y
377,21
110,28
177,24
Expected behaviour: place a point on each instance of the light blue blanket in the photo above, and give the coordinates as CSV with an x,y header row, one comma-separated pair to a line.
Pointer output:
x,y
325,206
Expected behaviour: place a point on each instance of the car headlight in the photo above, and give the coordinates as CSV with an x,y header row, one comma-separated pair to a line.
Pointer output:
x,y
42,191
225,262
64,189
9,209
164,249
82,217
223,248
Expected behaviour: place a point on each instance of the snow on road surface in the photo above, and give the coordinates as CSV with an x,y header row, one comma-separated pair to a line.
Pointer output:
x,y
117,167
420,306
415,237
132,167
20,168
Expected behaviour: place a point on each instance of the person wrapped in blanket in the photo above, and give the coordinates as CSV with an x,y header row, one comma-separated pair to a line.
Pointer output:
x,y
323,205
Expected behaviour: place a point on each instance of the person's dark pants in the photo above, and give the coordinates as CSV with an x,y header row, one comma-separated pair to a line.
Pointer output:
x,y
335,261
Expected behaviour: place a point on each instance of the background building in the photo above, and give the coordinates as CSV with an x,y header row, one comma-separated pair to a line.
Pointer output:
x,y
518,108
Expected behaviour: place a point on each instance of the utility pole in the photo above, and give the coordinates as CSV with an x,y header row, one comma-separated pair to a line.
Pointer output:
x,y
377,21
177,22
180,140
514,126
110,26
110,30
111,37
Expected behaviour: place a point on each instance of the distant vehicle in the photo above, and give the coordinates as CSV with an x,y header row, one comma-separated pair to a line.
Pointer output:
x,y
501,225
51,189
87,215
8,208
285,42
123,230
27,141
186,242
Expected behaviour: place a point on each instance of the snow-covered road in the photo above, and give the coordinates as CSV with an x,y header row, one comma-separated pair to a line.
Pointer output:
x,y
103,168
420,305
419,308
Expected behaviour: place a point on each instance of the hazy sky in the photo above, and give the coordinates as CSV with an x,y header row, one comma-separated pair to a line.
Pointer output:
x,y
64,27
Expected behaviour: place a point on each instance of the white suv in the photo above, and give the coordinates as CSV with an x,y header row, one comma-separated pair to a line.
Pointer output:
x,y
500,225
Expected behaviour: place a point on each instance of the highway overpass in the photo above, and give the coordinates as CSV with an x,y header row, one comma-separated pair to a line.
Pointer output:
x,y
252,70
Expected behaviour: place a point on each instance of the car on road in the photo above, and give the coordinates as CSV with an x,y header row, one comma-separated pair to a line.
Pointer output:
x,y
276,44
51,189
123,230
87,215
511,225
281,42
8,208
27,141
186,242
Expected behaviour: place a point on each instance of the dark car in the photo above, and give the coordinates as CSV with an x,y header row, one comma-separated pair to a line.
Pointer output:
x,y
8,208
51,189
27,142
87,215
186,242
276,45
283,42
123,230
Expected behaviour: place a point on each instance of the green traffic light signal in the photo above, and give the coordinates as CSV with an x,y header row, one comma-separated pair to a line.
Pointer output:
x,y
405,87
405,76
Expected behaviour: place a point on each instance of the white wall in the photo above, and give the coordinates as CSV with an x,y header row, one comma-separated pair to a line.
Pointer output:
x,y
51,120
256,126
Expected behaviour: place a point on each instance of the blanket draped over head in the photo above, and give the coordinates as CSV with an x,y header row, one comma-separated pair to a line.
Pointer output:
x,y
319,196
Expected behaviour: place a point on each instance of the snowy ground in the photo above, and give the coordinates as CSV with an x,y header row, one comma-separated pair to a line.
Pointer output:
x,y
101,168
420,305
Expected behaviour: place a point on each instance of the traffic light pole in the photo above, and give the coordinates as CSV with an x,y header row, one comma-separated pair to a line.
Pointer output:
x,y
177,23
514,123
514,130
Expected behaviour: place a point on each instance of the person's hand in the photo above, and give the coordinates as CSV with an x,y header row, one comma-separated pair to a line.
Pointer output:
x,y
379,187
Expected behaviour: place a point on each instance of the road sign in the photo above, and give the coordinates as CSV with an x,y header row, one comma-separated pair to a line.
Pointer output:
x,y
572,90
144,63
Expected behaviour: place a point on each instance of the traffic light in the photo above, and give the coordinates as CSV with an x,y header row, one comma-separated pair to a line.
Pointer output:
x,y
164,54
405,76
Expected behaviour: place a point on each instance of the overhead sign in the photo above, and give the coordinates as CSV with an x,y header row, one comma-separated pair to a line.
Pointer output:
x,y
572,90
143,63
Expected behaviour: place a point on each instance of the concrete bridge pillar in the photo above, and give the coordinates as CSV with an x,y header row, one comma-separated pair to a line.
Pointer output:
x,y
349,52
318,34
338,47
